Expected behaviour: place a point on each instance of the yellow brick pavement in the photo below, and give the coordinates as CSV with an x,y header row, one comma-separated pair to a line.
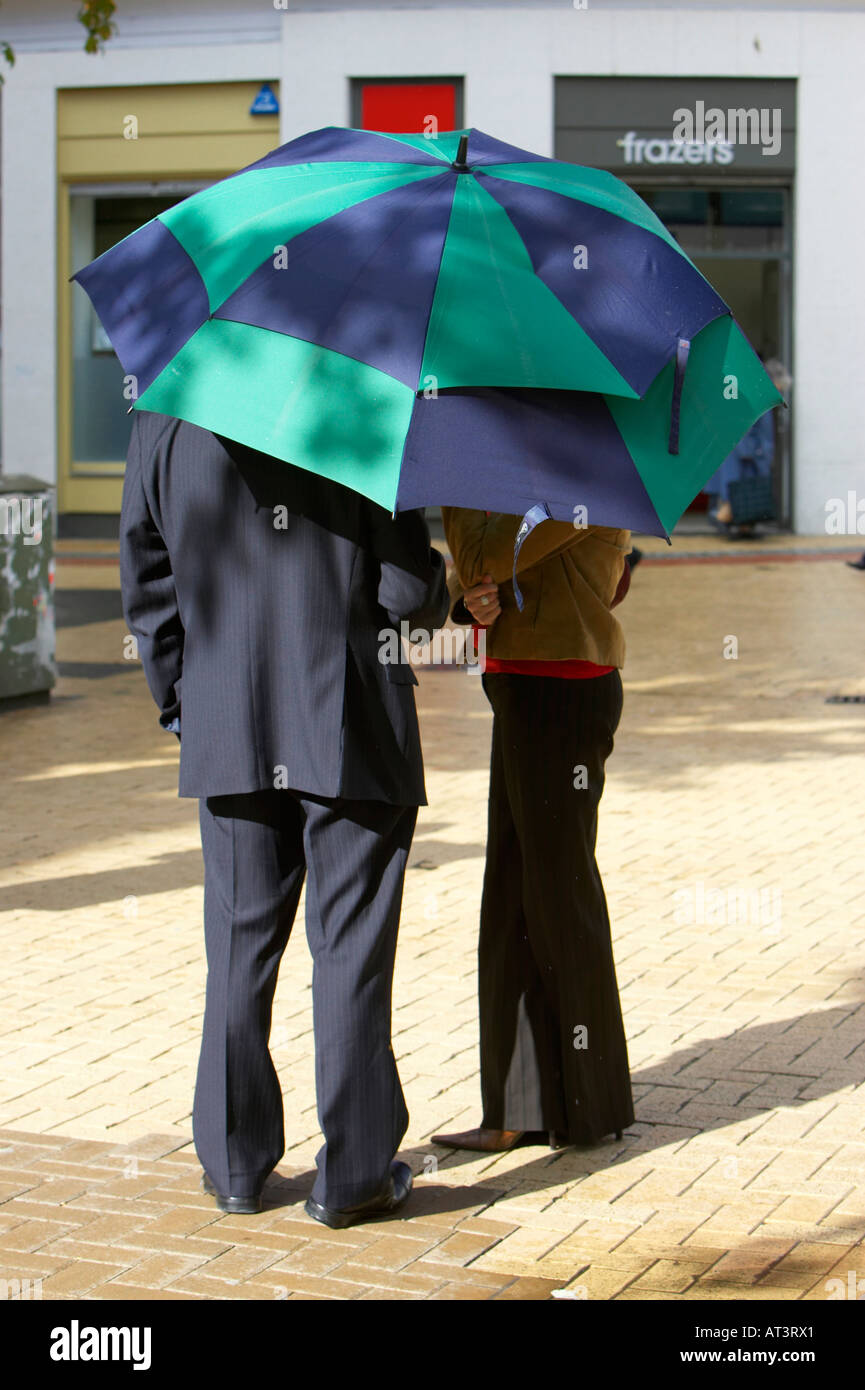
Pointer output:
x,y
731,849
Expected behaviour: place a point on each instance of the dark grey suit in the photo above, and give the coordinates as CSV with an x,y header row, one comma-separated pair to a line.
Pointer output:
x,y
257,593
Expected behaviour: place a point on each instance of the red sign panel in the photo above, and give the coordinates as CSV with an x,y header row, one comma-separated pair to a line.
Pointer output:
x,y
407,106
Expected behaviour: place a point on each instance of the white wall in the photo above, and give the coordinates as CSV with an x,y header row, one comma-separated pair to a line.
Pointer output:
x,y
504,60
508,57
50,25
829,292
28,201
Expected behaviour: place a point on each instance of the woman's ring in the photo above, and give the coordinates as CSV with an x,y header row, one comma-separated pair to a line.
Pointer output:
x,y
484,600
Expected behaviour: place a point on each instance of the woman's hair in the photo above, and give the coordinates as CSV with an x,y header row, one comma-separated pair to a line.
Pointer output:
x,y
781,378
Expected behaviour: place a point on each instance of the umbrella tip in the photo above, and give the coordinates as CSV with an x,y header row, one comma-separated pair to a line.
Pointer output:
x,y
462,150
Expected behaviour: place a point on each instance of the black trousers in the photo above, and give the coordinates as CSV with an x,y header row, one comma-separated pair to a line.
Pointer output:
x,y
257,849
553,1050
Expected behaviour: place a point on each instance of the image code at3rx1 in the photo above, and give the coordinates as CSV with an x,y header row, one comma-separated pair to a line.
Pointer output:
x,y
793,1332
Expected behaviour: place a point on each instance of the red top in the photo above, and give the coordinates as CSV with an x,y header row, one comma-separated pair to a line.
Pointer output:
x,y
573,669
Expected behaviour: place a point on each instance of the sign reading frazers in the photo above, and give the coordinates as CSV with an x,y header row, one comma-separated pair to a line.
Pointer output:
x,y
681,129
651,150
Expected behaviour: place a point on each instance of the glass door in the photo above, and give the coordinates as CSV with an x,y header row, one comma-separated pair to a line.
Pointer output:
x,y
739,237
99,395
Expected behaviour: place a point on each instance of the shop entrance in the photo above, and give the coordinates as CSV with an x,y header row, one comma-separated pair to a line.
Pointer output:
x,y
730,207
99,218
125,154
739,237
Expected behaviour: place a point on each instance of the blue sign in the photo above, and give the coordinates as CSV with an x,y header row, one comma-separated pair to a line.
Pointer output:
x,y
266,103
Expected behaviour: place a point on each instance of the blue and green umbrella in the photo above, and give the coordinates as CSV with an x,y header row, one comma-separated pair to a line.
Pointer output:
x,y
438,320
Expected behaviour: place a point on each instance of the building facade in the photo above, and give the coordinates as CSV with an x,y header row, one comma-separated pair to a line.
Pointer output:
x,y
765,204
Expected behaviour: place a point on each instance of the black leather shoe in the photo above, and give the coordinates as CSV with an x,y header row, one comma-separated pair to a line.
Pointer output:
x,y
238,1206
390,1199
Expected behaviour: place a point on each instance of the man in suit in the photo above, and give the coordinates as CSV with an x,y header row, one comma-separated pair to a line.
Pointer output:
x,y
257,592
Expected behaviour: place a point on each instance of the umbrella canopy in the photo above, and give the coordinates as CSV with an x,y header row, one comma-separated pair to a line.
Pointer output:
x,y
603,458
344,302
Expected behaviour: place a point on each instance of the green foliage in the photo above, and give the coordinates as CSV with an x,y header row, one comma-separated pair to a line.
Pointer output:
x,y
95,15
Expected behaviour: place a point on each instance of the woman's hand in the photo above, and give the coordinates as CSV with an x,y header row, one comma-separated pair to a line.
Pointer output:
x,y
483,601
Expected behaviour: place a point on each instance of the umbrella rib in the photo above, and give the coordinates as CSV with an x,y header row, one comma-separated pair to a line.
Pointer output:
x,y
616,279
406,145
435,289
395,225
228,236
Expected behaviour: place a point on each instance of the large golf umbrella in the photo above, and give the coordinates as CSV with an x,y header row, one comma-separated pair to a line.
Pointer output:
x,y
354,299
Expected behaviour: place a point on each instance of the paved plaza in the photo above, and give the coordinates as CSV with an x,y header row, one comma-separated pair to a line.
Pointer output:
x,y
731,848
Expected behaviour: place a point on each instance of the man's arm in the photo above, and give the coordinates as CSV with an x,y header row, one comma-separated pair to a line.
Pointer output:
x,y
412,585
482,544
149,596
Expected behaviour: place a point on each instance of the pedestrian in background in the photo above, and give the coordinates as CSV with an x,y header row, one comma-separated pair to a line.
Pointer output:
x,y
752,457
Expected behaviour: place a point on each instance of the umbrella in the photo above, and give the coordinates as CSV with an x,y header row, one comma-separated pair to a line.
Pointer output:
x,y
355,301
602,459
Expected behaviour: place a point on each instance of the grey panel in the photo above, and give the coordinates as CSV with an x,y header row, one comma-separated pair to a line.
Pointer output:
x,y
27,663
594,116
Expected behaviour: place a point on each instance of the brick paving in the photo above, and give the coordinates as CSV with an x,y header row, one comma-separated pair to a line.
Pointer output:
x,y
731,849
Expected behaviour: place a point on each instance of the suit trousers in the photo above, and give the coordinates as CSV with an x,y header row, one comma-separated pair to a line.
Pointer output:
x,y
258,848
553,1049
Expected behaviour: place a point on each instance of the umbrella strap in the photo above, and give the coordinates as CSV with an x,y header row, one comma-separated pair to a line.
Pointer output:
x,y
539,512
682,350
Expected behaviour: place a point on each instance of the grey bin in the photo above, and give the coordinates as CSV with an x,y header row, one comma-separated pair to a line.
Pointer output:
x,y
27,661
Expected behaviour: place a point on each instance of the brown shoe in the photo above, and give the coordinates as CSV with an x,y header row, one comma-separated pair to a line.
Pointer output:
x,y
496,1140
484,1140
501,1140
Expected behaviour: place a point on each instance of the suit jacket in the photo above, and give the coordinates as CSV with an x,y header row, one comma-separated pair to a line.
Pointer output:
x,y
257,592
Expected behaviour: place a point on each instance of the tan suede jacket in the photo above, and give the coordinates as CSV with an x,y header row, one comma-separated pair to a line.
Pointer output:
x,y
568,577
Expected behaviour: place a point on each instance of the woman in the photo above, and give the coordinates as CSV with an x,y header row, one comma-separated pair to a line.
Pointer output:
x,y
554,1062
752,456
